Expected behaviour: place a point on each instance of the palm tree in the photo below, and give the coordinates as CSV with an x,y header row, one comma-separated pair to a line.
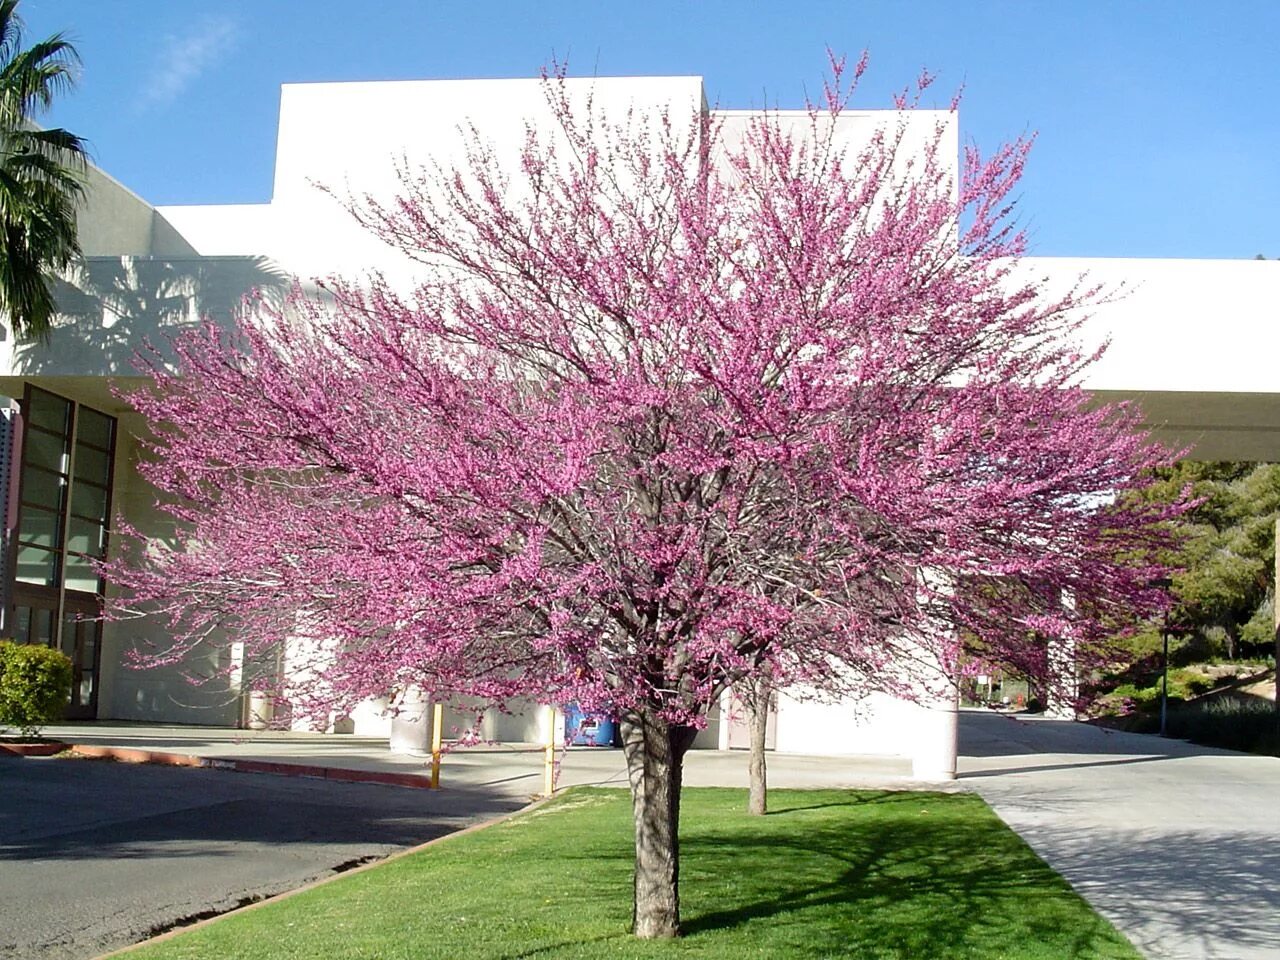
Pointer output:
x,y
41,176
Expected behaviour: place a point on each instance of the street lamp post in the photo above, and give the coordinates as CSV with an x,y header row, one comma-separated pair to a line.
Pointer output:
x,y
1164,683
1164,583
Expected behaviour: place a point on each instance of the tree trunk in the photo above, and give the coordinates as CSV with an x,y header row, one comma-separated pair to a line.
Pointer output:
x,y
759,693
655,753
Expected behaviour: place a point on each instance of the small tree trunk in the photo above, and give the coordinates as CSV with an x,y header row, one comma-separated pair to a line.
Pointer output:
x,y
655,753
760,692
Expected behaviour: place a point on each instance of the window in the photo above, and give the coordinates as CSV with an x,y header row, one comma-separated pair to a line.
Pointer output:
x,y
68,451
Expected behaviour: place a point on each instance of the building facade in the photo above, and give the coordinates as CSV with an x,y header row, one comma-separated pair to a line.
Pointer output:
x,y
1185,338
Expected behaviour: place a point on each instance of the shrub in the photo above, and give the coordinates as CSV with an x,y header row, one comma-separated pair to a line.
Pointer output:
x,y
35,685
1250,724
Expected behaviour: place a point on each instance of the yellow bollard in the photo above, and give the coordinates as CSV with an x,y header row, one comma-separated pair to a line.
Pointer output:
x,y
549,763
437,721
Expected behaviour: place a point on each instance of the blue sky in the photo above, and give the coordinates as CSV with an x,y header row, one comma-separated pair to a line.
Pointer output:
x,y
1158,122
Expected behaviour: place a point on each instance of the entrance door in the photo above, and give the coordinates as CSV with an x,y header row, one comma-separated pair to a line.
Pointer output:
x,y
36,614
81,636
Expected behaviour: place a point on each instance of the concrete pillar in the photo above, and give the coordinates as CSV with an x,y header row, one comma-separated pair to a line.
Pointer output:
x,y
411,725
938,720
937,736
1065,686
261,710
726,720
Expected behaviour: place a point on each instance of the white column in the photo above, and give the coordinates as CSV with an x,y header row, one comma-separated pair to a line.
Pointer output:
x,y
937,732
411,725
937,726
1064,682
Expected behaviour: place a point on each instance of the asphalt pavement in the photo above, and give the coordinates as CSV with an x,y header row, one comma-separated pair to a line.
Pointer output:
x,y
95,856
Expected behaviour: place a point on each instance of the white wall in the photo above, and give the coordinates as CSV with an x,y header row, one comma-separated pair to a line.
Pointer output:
x,y
1193,332
350,137
1190,325
162,694
879,725
112,220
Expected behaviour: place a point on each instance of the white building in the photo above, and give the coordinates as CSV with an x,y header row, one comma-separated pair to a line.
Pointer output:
x,y
1194,340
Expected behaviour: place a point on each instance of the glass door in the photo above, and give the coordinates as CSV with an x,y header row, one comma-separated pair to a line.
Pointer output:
x,y
81,632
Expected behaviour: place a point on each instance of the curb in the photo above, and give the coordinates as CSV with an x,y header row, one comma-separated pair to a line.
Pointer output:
x,y
178,931
34,749
273,767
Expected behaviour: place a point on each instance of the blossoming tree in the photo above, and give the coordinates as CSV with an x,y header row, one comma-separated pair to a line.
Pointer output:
x,y
669,410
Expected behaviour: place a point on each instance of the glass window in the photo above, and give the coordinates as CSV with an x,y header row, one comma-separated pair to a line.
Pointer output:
x,y
89,501
46,450
62,531
22,625
42,626
93,465
49,411
37,565
94,428
86,536
42,488
81,574
40,528
68,644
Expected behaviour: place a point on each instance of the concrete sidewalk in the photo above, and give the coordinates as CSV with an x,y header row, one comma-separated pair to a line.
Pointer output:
x,y
510,769
1176,844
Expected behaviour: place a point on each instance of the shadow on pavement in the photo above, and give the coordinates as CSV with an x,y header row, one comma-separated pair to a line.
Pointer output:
x,y
984,734
107,811
1218,891
1036,768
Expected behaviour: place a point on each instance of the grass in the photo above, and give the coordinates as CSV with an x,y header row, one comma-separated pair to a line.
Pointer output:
x,y
826,874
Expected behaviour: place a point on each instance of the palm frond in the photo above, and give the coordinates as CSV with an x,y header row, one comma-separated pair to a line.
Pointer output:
x,y
41,175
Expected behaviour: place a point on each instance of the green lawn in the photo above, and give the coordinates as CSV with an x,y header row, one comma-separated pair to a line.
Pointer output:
x,y
829,873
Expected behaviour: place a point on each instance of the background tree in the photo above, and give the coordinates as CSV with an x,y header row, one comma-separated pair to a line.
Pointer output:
x,y
758,701
41,175
1223,590
669,409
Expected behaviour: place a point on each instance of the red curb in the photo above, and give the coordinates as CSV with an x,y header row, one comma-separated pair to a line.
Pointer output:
x,y
33,749
417,781
272,767
277,768
129,755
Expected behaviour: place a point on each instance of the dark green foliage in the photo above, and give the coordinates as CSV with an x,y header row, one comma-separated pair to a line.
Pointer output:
x,y
829,873
41,175
1224,590
1249,724
35,685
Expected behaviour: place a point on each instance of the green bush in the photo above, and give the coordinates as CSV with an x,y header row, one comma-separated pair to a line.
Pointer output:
x,y
1184,684
1250,724
35,685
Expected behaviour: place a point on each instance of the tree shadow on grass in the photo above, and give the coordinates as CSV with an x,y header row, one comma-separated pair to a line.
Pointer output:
x,y
918,876
860,800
